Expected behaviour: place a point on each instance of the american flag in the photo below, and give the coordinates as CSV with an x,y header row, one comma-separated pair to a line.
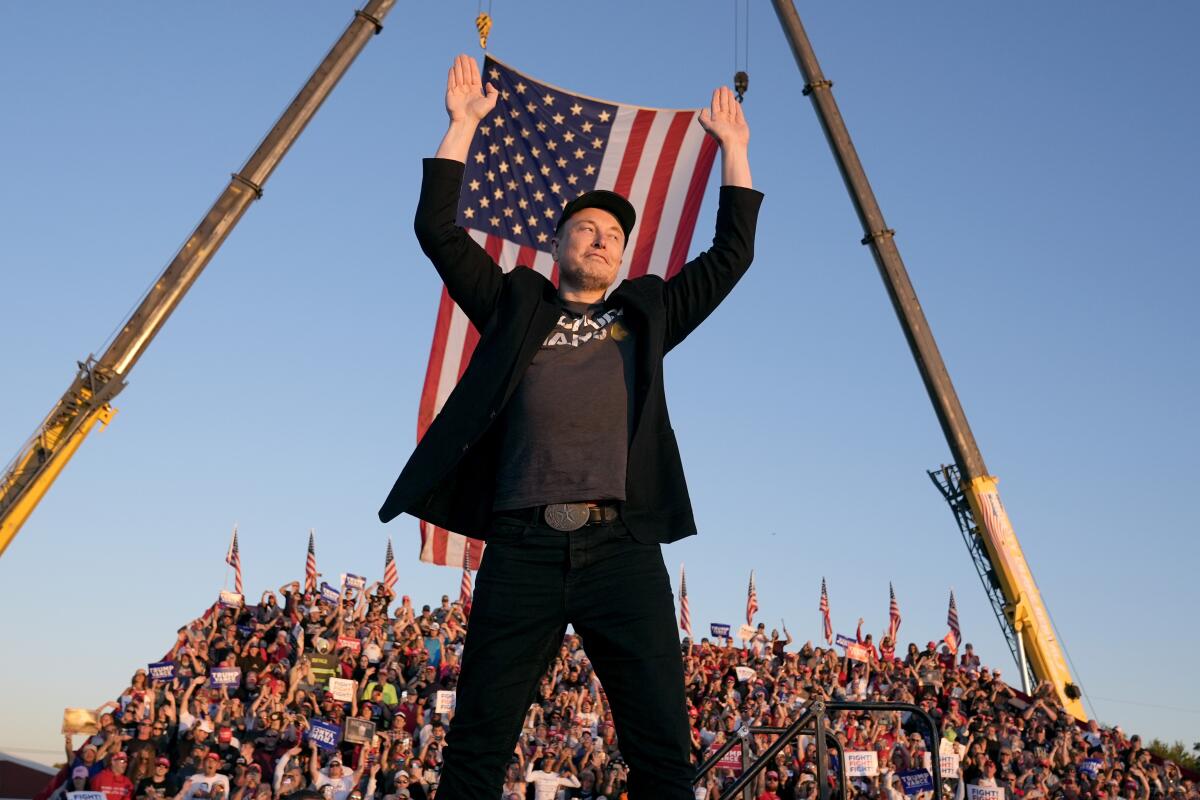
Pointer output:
x,y
234,559
893,615
824,608
685,612
751,600
389,570
310,565
541,147
464,587
955,635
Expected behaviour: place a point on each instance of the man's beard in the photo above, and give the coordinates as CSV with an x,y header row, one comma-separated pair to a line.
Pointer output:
x,y
585,279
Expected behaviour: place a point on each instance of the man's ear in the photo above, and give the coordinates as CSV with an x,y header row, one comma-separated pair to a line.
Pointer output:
x,y
554,248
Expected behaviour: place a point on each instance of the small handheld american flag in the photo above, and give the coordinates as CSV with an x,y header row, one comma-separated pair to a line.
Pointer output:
x,y
751,600
824,608
685,612
234,559
464,586
955,635
310,565
893,615
389,570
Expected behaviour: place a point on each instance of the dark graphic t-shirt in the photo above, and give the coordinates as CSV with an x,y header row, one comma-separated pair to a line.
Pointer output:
x,y
565,430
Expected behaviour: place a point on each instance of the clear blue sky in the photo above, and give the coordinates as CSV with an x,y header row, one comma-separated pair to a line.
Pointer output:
x,y
1037,161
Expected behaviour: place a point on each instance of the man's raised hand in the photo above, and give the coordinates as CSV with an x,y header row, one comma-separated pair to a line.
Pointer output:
x,y
466,100
466,104
724,120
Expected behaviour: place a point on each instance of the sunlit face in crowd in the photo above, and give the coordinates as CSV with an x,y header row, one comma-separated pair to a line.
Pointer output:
x,y
588,250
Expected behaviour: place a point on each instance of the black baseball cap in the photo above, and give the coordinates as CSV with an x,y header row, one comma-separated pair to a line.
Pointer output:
x,y
605,200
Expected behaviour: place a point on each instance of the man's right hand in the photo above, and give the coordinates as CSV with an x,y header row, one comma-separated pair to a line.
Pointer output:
x,y
465,97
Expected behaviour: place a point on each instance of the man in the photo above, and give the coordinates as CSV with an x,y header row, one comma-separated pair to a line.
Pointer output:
x,y
443,611
209,782
113,782
336,777
160,779
556,447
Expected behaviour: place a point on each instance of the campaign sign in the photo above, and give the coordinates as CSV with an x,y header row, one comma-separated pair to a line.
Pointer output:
x,y
230,600
445,701
324,735
1090,767
844,641
86,796
746,633
947,760
744,674
861,763
915,781
225,677
330,594
79,720
350,643
984,793
731,760
719,630
354,581
359,731
342,689
161,671
858,652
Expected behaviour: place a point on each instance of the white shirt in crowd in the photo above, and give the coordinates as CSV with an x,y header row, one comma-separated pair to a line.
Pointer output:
x,y
341,786
547,784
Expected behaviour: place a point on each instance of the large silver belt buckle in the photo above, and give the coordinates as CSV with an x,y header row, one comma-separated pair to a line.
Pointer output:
x,y
566,517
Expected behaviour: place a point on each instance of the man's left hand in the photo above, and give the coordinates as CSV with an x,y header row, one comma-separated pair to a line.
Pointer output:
x,y
724,120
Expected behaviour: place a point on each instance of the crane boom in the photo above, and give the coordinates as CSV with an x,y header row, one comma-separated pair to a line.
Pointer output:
x,y
88,399
985,524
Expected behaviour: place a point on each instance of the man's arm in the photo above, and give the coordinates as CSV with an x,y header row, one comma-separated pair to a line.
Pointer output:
x,y
705,280
472,278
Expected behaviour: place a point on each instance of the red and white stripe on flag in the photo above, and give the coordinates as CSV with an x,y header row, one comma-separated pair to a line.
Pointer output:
x,y
659,159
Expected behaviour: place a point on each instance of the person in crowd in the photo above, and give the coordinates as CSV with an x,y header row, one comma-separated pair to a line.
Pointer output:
x,y
209,784
113,782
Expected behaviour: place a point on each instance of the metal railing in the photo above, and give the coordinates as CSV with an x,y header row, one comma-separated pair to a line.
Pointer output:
x,y
813,723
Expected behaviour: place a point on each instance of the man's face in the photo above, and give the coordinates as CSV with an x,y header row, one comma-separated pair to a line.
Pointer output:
x,y
118,765
588,249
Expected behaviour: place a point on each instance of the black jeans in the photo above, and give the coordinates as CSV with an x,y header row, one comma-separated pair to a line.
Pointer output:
x,y
616,593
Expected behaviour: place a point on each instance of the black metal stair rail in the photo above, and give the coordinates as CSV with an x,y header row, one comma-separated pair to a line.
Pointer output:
x,y
813,723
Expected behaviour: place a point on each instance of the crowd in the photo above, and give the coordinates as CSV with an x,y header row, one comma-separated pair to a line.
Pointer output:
x,y
243,708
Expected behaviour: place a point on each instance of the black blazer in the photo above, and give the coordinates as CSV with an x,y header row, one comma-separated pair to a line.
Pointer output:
x,y
449,479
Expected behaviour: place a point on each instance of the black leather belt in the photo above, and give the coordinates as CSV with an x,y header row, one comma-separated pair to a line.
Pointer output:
x,y
567,517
